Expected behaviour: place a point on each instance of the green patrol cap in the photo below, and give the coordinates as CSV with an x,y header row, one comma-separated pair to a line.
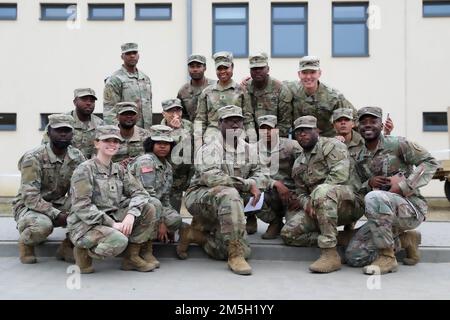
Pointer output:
x,y
258,60
83,92
196,58
122,107
374,111
269,120
60,120
342,113
309,63
305,122
128,47
159,132
230,111
223,58
171,103
107,132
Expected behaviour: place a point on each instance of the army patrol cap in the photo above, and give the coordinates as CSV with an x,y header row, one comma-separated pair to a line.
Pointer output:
x,y
230,111
305,122
223,58
309,63
60,120
160,132
374,111
107,132
129,47
342,113
269,120
196,58
258,60
83,92
122,107
171,103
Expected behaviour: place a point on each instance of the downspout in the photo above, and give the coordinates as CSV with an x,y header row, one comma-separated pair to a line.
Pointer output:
x,y
188,32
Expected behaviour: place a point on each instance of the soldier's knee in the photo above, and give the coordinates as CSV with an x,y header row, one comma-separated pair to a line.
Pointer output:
x,y
373,197
320,193
112,245
228,194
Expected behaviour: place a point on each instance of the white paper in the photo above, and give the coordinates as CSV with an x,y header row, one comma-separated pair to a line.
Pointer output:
x,y
250,208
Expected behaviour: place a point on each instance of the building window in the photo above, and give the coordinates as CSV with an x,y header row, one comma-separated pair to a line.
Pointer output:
x,y
435,121
350,33
58,11
230,29
106,11
153,11
289,30
8,121
436,8
44,120
8,11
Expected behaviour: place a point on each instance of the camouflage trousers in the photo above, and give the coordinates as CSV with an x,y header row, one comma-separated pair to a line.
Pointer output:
x,y
388,215
181,177
219,212
334,205
104,241
272,208
172,218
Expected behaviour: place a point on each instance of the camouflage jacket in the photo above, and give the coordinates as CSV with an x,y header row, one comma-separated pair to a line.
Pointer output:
x,y
275,99
327,163
188,94
320,105
214,97
98,192
354,147
219,165
133,146
123,86
45,179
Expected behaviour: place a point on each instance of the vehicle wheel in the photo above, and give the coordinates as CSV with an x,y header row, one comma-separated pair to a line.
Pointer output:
x,y
447,189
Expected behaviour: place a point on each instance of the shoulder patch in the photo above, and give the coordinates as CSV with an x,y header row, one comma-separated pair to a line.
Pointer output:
x,y
146,169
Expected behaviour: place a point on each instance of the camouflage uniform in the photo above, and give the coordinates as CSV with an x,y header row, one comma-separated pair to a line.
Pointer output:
x,y
125,86
321,175
216,195
102,195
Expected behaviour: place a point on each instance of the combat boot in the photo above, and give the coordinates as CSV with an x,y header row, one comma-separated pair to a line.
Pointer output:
x,y
252,225
147,253
410,242
188,235
65,251
236,260
273,230
385,263
26,253
132,260
83,260
329,261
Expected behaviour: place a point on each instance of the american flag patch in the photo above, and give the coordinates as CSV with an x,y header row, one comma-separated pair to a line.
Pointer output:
x,y
146,169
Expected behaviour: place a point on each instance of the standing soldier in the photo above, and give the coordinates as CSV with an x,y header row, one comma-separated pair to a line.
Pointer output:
x,y
110,210
190,91
128,84
225,175
392,169
42,201
268,95
312,97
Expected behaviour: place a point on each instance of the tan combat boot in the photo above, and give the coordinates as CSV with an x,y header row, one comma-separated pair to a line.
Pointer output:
x,y
83,260
385,263
273,230
236,260
252,225
410,242
65,251
132,260
26,253
147,253
188,235
329,261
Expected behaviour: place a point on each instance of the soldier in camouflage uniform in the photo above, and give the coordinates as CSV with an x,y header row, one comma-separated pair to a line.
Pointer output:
x,y
392,169
128,84
110,210
278,154
268,95
226,175
85,121
42,202
225,92
190,91
312,97
182,157
133,136
325,198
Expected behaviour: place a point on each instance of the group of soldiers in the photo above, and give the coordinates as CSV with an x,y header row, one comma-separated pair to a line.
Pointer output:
x,y
298,147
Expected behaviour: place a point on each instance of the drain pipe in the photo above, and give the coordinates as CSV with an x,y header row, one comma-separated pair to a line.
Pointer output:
x,y
188,32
